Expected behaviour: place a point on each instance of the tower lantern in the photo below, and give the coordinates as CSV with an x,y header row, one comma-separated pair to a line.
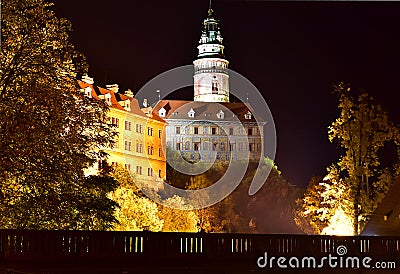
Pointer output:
x,y
211,79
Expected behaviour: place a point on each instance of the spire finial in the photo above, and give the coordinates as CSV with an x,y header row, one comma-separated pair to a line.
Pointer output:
x,y
210,11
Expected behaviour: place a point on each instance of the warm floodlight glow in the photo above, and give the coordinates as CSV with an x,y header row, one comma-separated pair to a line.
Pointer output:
x,y
341,224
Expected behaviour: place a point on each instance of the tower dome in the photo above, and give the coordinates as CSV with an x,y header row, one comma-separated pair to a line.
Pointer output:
x,y
211,79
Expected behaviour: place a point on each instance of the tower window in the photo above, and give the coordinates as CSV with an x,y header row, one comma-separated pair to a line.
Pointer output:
x,y
251,147
214,85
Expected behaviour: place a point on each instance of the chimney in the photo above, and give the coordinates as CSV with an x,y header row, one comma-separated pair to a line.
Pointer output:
x,y
114,88
87,79
129,93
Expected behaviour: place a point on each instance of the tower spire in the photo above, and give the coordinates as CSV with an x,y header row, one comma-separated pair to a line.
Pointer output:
x,y
211,79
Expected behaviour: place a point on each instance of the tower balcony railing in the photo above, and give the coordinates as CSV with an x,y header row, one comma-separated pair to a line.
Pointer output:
x,y
210,70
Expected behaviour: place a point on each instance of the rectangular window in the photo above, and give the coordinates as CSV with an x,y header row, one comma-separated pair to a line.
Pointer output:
x,y
128,167
139,170
251,147
128,145
140,148
258,147
249,131
115,121
232,147
196,146
160,152
128,125
231,131
150,172
196,130
139,128
214,146
159,133
178,130
213,130
150,150
178,146
150,131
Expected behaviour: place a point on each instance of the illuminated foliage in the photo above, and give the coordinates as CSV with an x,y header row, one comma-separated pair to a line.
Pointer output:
x,y
49,131
325,207
183,219
360,180
241,213
136,212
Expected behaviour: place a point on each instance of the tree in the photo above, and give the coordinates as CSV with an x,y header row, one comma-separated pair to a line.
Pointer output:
x,y
361,129
49,131
358,181
136,212
183,219
325,207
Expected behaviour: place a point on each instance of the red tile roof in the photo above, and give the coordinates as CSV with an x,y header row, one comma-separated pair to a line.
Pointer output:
x,y
116,98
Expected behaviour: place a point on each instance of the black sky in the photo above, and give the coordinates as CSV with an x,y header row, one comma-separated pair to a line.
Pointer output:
x,y
293,52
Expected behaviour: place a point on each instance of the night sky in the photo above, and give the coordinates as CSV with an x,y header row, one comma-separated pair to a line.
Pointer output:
x,y
293,52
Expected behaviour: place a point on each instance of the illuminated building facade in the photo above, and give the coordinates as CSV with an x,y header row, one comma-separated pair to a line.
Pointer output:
x,y
140,136
211,127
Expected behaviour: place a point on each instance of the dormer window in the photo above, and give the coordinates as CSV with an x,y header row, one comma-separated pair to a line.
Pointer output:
x,y
126,104
108,98
220,114
247,115
162,112
191,113
175,113
88,92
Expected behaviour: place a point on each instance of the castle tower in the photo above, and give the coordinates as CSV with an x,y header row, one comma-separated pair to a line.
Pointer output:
x,y
211,79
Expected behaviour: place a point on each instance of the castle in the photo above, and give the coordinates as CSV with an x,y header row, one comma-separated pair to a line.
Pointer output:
x,y
210,128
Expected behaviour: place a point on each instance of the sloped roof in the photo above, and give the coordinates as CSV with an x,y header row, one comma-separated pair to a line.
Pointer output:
x,y
178,109
116,98
389,207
